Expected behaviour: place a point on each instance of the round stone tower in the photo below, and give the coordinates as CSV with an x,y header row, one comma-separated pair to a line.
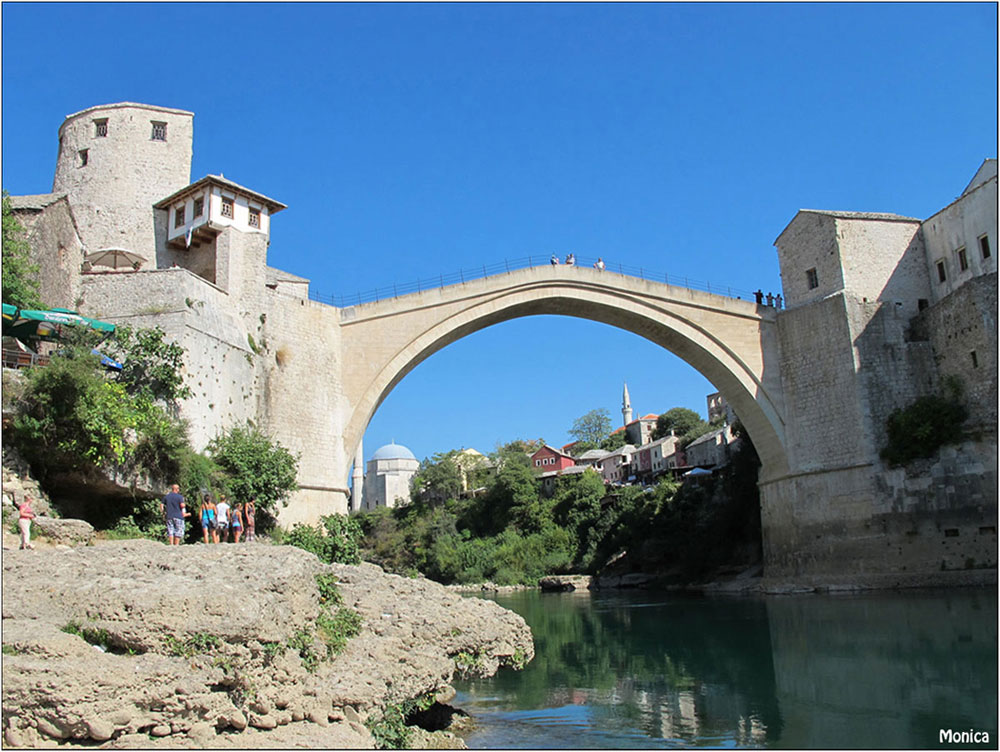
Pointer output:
x,y
117,160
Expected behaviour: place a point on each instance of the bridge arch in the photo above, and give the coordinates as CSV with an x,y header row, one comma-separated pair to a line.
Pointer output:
x,y
733,343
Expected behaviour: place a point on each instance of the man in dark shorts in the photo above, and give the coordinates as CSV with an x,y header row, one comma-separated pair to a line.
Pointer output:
x,y
173,506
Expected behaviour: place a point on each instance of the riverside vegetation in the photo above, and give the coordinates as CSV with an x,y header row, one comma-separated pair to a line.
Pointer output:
x,y
511,533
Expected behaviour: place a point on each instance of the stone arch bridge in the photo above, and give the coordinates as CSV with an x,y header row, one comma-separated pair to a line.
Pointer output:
x,y
732,342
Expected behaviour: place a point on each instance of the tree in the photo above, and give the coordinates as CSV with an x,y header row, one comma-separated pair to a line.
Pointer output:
x,y
614,441
20,276
592,427
680,420
257,468
438,479
151,366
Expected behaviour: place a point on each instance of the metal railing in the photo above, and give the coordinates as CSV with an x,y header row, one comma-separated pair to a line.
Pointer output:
x,y
20,359
508,265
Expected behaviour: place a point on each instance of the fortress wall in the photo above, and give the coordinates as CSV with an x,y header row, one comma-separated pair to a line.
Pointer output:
x,y
220,365
960,324
56,248
127,171
302,401
819,381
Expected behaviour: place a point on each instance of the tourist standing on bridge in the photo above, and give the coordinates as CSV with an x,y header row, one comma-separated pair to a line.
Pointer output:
x,y
599,264
759,296
571,259
554,260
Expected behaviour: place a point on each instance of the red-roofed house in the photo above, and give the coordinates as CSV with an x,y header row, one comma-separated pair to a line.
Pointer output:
x,y
547,458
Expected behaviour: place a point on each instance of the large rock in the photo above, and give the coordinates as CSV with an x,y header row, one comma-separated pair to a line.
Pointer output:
x,y
154,678
67,531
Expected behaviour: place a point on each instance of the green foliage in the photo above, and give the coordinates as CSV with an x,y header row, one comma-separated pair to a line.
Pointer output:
x,y
257,468
337,628
682,421
614,441
592,427
438,479
20,275
390,729
921,428
151,367
197,644
329,593
335,539
303,641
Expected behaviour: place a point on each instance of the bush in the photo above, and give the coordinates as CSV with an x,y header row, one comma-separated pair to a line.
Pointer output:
x,y
920,429
256,467
334,540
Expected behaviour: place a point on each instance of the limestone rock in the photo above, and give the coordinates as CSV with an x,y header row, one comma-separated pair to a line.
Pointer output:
x,y
64,531
178,663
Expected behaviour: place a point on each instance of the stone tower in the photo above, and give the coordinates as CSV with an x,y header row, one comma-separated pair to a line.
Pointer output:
x,y
115,161
626,407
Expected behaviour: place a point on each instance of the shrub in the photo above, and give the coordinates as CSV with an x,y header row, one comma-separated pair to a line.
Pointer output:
x,y
334,540
257,468
929,423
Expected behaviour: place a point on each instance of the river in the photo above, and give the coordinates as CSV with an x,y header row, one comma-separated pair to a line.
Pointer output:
x,y
639,670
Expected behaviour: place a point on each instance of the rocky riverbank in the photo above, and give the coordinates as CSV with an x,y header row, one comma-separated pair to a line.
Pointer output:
x,y
137,644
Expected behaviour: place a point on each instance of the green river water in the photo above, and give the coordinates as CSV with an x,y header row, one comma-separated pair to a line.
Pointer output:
x,y
619,670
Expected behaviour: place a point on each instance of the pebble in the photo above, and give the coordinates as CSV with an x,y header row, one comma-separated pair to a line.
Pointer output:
x,y
263,722
161,730
50,729
99,730
237,720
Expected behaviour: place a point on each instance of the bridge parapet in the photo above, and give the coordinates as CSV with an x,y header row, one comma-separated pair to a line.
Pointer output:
x,y
525,262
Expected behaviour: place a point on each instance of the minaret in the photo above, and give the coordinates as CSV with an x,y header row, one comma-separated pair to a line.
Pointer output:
x,y
626,407
358,477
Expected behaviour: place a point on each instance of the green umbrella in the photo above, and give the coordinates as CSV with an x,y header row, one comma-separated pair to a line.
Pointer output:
x,y
47,325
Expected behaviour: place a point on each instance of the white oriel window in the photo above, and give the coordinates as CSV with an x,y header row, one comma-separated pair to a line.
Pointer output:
x,y
199,207
253,218
227,207
179,215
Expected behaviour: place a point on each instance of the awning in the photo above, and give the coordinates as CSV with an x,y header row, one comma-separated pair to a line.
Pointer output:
x,y
48,325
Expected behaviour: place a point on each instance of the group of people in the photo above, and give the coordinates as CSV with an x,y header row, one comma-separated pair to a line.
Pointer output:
x,y
220,521
571,261
772,300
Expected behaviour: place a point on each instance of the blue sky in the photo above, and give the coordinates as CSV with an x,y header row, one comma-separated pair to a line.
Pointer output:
x,y
410,140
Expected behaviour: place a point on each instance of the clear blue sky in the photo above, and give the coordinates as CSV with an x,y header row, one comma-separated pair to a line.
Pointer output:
x,y
410,140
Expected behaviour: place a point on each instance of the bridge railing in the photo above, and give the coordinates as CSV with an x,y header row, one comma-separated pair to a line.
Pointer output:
x,y
508,265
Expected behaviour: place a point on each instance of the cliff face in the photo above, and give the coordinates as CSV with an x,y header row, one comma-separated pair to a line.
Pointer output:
x,y
218,646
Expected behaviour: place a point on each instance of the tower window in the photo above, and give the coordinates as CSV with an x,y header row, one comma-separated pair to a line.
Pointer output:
x,y
984,246
975,358
199,207
159,131
812,278
101,128
179,216
942,274
227,207
84,157
253,218
963,259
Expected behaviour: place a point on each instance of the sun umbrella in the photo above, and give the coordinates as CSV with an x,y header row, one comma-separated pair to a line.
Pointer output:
x,y
48,324
116,258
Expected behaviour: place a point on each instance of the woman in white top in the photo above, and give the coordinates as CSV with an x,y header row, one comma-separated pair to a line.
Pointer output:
x,y
222,519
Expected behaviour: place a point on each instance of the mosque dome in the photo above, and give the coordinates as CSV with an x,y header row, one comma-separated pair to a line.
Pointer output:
x,y
393,452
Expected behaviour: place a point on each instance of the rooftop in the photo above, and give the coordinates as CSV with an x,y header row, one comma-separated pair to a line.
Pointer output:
x,y
35,202
272,206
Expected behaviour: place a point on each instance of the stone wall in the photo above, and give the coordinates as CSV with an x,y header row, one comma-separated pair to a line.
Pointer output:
x,y
960,225
56,248
963,323
221,366
126,172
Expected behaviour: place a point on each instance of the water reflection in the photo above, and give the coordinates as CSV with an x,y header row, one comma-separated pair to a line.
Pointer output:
x,y
635,670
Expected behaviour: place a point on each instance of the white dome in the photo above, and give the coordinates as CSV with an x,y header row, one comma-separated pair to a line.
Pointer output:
x,y
393,452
